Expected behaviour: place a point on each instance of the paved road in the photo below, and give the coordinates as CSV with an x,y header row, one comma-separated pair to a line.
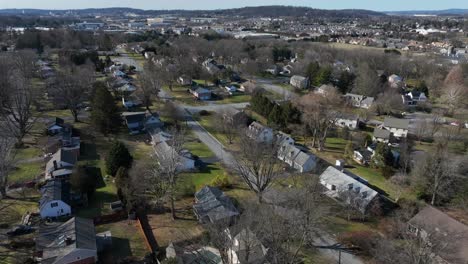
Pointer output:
x,y
269,85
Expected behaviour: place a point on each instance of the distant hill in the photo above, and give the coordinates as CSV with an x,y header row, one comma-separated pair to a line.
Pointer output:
x,y
267,11
446,12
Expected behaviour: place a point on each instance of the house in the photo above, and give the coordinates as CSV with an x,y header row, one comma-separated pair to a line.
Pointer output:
x,y
350,121
56,126
149,54
438,227
61,164
161,142
414,97
299,82
395,81
247,87
360,101
296,158
325,89
201,93
230,89
72,242
363,156
213,206
119,73
184,80
282,137
208,255
381,135
55,199
245,248
348,188
130,101
259,132
212,67
126,88
398,127
304,162
65,140
138,122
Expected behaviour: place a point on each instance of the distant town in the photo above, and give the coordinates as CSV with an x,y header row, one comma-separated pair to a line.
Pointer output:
x,y
272,134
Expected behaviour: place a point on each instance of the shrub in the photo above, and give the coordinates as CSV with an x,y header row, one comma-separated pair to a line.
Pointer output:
x,y
221,181
118,156
188,190
204,113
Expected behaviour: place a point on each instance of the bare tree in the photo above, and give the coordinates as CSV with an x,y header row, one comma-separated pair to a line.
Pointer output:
x,y
257,164
319,113
150,85
227,125
422,128
71,87
436,174
17,95
167,167
6,162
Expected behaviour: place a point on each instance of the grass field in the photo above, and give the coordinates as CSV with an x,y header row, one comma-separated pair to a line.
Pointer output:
x,y
26,172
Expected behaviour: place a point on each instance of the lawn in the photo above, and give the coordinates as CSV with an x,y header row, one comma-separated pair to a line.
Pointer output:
x,y
210,124
338,225
235,98
127,240
28,153
14,209
196,147
181,94
26,172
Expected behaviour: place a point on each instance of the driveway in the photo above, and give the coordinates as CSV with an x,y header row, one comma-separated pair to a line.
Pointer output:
x,y
270,86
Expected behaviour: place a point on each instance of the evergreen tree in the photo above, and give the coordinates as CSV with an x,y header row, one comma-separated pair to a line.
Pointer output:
x,y
312,70
383,156
323,76
82,181
104,115
345,82
118,156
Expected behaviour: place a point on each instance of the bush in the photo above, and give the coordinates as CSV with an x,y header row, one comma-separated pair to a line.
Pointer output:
x,y
118,156
188,190
221,181
204,113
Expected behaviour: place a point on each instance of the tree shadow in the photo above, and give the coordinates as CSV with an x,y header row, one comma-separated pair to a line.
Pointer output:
x,y
120,250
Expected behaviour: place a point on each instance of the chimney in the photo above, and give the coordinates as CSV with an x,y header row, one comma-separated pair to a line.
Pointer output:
x,y
55,165
68,241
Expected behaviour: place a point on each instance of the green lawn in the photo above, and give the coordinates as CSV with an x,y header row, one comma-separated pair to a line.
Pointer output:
x,y
204,177
196,147
127,239
235,98
209,123
339,225
28,153
26,172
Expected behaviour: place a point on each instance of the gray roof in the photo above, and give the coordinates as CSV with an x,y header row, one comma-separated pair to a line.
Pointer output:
x,y
134,117
381,133
249,248
55,189
213,205
361,194
302,158
437,223
396,123
56,240
62,155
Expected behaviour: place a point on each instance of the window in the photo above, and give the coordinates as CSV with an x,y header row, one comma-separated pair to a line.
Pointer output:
x,y
333,187
54,204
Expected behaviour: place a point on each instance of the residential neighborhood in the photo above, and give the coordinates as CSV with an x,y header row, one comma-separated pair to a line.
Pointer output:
x,y
218,133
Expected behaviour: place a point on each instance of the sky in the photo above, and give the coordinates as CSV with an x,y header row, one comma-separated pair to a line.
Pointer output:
x,y
377,5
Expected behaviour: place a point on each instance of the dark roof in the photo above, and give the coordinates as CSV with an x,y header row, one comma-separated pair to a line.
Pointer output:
x,y
437,223
396,123
381,133
56,240
55,189
213,204
135,117
62,155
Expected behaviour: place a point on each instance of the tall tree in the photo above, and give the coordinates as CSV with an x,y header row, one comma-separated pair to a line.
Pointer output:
x,y
71,86
104,114
117,157
258,165
150,85
7,154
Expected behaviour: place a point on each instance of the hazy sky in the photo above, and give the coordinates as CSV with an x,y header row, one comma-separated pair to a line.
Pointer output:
x,y
381,5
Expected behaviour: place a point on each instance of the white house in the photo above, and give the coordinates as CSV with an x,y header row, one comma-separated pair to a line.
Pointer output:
x,y
259,132
299,82
324,89
358,100
55,127
166,154
55,198
184,80
296,158
61,164
245,248
398,127
347,188
347,120
381,135
201,93
416,97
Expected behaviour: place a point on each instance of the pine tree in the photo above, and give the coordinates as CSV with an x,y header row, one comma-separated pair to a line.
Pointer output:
x,y
118,156
104,115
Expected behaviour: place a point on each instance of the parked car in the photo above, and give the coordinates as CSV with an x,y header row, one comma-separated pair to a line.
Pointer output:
x,y
20,230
